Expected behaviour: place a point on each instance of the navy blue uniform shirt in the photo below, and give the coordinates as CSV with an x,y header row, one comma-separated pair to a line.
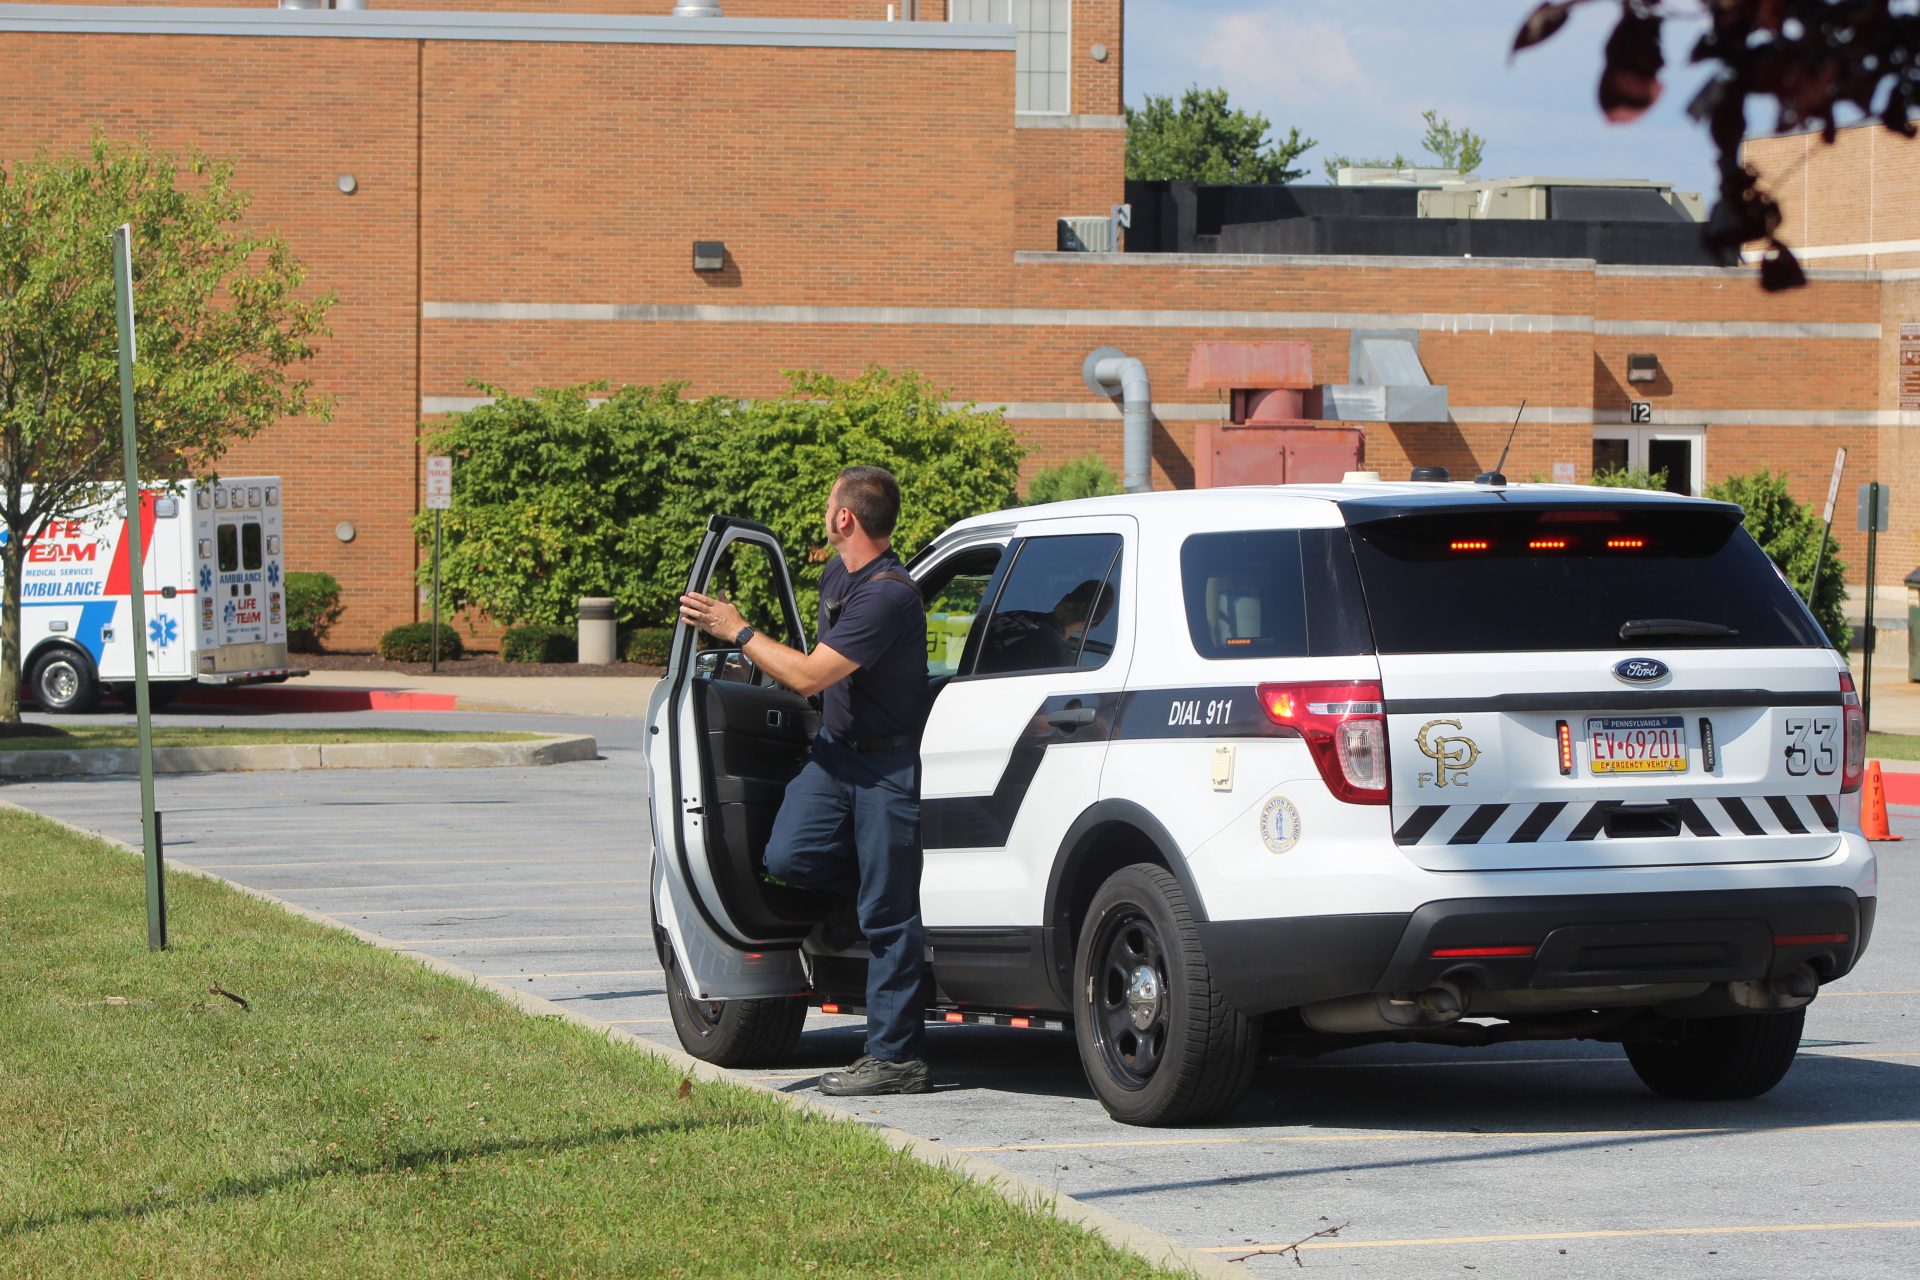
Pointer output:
x,y
882,627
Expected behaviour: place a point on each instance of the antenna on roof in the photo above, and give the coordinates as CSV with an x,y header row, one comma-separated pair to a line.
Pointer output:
x,y
1494,476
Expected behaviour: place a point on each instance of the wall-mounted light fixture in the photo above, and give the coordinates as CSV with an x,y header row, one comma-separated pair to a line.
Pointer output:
x,y
345,531
347,183
709,255
1643,368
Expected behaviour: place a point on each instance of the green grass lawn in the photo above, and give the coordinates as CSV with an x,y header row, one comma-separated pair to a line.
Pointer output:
x,y
1893,746
367,1117
71,737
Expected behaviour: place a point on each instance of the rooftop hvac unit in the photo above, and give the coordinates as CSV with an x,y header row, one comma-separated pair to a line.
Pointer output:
x,y
1086,235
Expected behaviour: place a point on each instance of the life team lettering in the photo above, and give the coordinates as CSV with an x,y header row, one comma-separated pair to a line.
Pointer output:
x,y
67,542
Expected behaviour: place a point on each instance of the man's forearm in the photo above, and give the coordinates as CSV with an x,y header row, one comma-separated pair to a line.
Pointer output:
x,y
784,663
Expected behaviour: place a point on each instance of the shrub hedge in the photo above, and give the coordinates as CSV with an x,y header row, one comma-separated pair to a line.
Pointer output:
x,y
313,606
538,642
413,642
648,645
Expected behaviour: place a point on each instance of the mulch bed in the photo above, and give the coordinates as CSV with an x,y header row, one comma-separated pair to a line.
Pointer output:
x,y
479,664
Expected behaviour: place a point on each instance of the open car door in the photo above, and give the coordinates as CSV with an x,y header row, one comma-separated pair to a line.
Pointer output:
x,y
723,742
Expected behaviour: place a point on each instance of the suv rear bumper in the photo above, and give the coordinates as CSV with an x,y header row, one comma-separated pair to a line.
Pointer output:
x,y
1588,940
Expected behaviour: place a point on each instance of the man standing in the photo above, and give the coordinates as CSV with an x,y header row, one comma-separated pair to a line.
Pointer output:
x,y
850,822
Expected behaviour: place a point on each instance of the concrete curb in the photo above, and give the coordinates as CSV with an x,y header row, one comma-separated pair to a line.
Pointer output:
x,y
102,761
1021,1191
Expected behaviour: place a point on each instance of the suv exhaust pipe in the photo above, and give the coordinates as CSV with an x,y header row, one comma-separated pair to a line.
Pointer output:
x,y
1437,1006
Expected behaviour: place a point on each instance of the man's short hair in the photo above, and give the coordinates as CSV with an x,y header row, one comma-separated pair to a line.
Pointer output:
x,y
873,495
1089,602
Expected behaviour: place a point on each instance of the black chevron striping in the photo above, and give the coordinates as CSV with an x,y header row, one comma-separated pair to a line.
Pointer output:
x,y
1696,820
1419,824
1829,817
1742,816
1783,810
1537,822
1590,826
1479,824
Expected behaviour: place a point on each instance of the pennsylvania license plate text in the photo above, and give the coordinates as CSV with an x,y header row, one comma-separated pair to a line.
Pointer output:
x,y
1637,744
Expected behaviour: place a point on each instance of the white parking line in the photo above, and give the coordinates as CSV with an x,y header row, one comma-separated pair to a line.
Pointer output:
x,y
456,884
1626,1234
519,937
443,910
583,973
400,862
1439,1135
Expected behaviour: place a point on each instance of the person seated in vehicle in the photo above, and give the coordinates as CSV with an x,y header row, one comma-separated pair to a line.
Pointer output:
x,y
1030,640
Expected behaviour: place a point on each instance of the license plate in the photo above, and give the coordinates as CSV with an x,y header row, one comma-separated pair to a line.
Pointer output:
x,y
1637,744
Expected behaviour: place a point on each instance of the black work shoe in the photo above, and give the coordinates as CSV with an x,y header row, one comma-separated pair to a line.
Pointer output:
x,y
867,1076
840,931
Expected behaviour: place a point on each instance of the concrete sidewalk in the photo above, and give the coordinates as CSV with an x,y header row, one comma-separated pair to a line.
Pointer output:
x,y
555,695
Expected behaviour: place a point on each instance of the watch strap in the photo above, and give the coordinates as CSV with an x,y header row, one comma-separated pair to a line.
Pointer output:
x,y
745,634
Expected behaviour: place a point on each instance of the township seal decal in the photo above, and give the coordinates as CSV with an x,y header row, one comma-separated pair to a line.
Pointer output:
x,y
1280,825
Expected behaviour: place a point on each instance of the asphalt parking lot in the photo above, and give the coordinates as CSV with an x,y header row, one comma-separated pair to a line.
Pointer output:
x,y
1525,1160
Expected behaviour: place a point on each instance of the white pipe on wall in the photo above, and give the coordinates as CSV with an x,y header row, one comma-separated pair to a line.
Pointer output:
x,y
1111,372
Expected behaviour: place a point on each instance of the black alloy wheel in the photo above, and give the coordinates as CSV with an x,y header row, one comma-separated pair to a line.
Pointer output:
x,y
729,1033
1158,1040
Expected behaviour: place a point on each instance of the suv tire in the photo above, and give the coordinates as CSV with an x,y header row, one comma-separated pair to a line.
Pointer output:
x,y
731,1033
1720,1059
1158,1041
63,682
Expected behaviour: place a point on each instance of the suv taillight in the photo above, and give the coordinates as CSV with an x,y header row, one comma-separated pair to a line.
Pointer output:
x,y
1854,769
1345,727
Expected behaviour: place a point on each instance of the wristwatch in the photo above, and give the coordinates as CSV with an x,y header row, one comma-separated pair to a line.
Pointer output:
x,y
746,634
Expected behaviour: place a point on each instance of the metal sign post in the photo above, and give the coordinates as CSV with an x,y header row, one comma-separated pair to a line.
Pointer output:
x,y
1826,531
133,543
439,498
1873,521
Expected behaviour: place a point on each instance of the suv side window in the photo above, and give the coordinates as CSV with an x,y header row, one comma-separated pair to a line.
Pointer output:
x,y
1272,593
1056,610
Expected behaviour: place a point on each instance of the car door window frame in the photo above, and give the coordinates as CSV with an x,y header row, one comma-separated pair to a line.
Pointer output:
x,y
970,660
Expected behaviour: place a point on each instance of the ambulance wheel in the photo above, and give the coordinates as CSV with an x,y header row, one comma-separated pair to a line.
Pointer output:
x,y
63,682
160,693
1159,1042
1720,1059
731,1033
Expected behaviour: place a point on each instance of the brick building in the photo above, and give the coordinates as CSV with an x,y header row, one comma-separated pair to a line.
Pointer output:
x,y
526,190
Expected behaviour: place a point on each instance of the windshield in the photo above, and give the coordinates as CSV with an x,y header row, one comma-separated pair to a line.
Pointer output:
x,y
1580,578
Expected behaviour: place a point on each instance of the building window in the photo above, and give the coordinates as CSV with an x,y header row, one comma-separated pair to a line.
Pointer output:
x,y
1679,451
1042,63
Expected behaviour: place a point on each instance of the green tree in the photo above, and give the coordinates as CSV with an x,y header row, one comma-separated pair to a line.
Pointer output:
x,y
1086,477
221,324
1202,139
1790,535
556,497
1458,149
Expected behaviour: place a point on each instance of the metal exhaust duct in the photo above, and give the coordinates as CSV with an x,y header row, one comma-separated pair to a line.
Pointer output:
x,y
1111,372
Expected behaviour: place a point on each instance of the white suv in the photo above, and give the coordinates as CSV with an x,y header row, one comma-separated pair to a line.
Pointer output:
x,y
1215,773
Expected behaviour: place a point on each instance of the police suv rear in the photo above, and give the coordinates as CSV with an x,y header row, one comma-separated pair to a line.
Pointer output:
x,y
1326,766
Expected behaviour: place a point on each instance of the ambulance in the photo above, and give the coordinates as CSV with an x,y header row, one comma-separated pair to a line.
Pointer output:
x,y
213,567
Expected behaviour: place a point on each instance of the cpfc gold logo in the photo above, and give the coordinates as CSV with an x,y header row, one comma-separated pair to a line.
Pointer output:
x,y
1451,753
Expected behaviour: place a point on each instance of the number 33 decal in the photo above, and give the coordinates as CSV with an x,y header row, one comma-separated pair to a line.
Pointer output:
x,y
1811,745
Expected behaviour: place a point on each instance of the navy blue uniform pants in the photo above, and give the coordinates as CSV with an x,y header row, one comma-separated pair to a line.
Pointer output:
x,y
850,824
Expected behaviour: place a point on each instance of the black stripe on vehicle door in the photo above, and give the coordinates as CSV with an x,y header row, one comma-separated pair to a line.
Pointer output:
x,y
1537,822
1420,823
1783,809
1697,822
1479,824
1742,816
1829,817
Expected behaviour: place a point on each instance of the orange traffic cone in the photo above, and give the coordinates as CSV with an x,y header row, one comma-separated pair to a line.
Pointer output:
x,y
1873,806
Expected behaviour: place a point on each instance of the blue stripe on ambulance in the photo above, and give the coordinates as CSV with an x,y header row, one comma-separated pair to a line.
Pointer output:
x,y
94,619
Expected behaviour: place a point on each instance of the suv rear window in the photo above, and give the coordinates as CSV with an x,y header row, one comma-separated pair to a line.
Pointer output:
x,y
1272,593
1563,579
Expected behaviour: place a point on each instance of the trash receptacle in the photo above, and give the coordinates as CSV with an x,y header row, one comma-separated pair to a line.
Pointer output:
x,y
1913,626
597,643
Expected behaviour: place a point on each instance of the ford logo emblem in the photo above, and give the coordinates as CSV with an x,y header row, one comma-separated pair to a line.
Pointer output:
x,y
1641,670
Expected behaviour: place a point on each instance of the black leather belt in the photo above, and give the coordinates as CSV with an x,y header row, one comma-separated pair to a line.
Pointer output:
x,y
901,742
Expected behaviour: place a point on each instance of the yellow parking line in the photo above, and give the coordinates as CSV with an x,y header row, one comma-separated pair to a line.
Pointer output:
x,y
1402,1135
1337,1243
